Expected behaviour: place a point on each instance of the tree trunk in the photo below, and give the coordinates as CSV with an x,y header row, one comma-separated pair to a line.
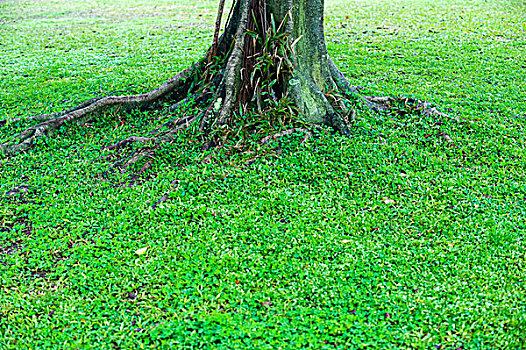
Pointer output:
x,y
310,78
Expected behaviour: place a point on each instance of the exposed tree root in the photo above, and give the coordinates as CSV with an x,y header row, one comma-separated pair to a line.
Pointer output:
x,y
173,126
128,141
88,110
166,196
269,138
387,103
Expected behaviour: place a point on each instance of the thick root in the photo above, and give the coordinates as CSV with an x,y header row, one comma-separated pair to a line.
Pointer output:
x,y
220,110
88,110
345,86
48,117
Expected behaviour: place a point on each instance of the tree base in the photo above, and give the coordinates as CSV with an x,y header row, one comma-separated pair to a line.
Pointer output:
x,y
277,73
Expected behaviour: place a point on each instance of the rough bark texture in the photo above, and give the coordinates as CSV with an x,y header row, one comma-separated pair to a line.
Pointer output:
x,y
313,75
312,78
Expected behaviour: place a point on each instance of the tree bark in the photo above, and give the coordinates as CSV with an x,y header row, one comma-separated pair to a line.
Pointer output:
x,y
311,80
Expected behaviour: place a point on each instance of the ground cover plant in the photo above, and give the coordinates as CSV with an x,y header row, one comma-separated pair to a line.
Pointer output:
x,y
389,238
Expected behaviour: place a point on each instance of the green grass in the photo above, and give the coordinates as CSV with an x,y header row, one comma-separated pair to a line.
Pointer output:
x,y
298,250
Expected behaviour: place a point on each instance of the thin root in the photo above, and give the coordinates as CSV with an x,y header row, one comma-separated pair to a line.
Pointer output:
x,y
128,141
269,138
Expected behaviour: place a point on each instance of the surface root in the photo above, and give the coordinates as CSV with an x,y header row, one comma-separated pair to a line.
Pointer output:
x,y
88,110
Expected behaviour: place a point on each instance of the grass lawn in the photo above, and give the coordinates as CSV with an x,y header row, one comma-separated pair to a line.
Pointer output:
x,y
388,239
